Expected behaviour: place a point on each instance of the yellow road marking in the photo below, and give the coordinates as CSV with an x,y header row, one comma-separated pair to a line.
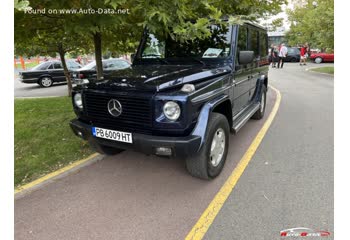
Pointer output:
x,y
53,174
201,227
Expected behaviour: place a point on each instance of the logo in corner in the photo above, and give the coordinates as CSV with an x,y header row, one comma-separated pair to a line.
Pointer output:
x,y
303,232
114,107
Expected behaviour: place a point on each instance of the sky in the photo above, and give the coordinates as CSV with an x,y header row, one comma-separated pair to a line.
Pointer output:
x,y
282,14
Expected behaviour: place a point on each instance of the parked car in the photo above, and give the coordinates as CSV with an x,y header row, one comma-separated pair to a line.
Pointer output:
x,y
293,54
179,99
322,57
47,73
109,65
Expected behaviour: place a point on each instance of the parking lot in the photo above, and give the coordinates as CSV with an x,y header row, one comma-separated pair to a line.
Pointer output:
x,y
34,90
288,182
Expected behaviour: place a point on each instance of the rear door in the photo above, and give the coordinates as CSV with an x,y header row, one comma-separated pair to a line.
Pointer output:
x,y
57,72
254,46
261,62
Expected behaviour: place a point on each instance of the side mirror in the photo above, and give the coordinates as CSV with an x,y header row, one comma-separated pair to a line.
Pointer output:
x,y
245,57
132,56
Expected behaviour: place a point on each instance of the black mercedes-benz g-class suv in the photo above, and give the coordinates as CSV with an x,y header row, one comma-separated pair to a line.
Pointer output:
x,y
179,98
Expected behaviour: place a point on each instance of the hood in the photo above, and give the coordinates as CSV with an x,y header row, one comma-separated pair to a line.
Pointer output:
x,y
159,77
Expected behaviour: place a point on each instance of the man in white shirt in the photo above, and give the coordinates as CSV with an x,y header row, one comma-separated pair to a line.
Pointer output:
x,y
282,55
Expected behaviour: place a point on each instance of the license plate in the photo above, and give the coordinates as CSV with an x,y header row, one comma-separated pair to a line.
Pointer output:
x,y
112,135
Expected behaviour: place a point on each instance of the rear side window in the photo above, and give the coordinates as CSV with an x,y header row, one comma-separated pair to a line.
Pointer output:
x,y
293,51
263,44
254,41
57,65
42,66
242,43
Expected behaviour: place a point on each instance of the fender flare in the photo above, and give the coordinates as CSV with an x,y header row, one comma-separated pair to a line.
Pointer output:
x,y
45,75
204,115
263,79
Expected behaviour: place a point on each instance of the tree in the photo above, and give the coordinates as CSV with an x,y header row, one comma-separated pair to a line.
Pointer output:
x,y
183,20
312,22
107,30
189,19
180,19
46,34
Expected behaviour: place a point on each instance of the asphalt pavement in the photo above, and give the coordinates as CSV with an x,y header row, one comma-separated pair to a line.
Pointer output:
x,y
288,183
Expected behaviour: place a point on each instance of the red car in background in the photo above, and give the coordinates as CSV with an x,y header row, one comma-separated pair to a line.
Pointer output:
x,y
322,57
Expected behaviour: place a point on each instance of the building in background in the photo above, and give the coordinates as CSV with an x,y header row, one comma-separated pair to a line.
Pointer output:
x,y
277,37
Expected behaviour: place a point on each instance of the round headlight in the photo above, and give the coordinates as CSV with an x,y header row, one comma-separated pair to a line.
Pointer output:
x,y
172,110
78,101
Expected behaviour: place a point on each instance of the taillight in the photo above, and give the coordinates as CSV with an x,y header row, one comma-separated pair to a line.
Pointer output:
x,y
81,76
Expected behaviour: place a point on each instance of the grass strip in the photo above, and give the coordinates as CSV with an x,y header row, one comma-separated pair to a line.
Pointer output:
x,y
44,141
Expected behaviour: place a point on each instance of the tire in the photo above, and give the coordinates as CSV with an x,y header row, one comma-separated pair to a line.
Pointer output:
x,y
105,149
45,82
318,60
293,59
261,111
208,164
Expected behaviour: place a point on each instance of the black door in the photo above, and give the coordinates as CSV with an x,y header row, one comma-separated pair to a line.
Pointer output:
x,y
57,72
242,73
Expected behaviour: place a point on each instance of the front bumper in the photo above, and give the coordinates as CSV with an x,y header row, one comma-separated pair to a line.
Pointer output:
x,y
180,146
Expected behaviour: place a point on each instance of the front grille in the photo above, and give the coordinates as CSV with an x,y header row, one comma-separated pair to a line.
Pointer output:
x,y
136,114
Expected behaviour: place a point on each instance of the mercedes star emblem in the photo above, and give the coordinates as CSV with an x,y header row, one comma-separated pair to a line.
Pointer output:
x,y
114,107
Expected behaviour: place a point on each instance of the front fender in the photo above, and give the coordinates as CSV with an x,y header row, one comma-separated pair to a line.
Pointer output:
x,y
203,118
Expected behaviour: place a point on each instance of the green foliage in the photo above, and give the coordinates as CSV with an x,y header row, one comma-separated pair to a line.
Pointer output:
x,y
312,24
43,140
40,34
189,19
21,5
329,70
120,33
276,23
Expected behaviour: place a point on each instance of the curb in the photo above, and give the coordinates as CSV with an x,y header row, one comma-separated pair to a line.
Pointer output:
x,y
38,97
56,175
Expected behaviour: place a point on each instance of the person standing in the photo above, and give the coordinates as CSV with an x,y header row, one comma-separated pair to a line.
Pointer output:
x,y
273,55
303,54
282,55
78,59
308,50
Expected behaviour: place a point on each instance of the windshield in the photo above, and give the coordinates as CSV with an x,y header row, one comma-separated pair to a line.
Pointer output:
x,y
218,45
42,66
